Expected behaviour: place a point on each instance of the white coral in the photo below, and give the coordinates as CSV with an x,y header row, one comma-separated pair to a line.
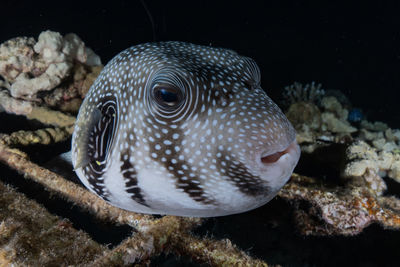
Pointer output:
x,y
363,157
25,86
31,67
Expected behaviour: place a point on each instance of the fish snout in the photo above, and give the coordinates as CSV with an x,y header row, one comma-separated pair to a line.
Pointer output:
x,y
292,150
276,167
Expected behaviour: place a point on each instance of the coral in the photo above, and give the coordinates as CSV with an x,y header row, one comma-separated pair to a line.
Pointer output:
x,y
374,126
334,125
304,113
298,92
16,57
363,157
370,151
331,104
318,118
55,71
67,97
27,87
340,96
341,210
334,117
12,105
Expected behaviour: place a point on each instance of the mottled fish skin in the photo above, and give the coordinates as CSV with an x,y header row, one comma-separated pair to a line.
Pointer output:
x,y
182,129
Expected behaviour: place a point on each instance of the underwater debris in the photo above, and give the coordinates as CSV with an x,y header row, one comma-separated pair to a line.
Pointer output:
x,y
31,236
55,71
67,189
44,136
171,235
154,236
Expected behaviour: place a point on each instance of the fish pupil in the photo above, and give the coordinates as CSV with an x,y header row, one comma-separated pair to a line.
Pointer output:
x,y
168,96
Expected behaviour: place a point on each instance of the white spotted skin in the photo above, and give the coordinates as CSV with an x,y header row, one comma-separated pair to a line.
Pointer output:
x,y
219,147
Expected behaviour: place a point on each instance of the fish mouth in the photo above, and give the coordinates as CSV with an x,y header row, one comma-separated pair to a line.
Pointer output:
x,y
276,167
268,158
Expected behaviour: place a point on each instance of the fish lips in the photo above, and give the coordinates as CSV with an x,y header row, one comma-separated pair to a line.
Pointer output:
x,y
276,167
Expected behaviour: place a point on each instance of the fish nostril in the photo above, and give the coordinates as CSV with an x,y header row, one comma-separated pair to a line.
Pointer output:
x,y
273,157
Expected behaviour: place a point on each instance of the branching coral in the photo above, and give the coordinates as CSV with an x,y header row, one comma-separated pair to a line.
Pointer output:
x,y
298,92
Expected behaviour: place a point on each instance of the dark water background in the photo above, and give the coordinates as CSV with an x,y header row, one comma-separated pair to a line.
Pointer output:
x,y
353,47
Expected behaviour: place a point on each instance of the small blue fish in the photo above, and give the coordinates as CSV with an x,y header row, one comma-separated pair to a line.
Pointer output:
x,y
182,129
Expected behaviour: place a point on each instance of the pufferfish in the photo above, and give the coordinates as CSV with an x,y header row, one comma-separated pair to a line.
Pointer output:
x,y
182,129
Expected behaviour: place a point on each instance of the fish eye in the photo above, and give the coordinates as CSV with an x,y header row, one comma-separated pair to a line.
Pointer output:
x,y
167,96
